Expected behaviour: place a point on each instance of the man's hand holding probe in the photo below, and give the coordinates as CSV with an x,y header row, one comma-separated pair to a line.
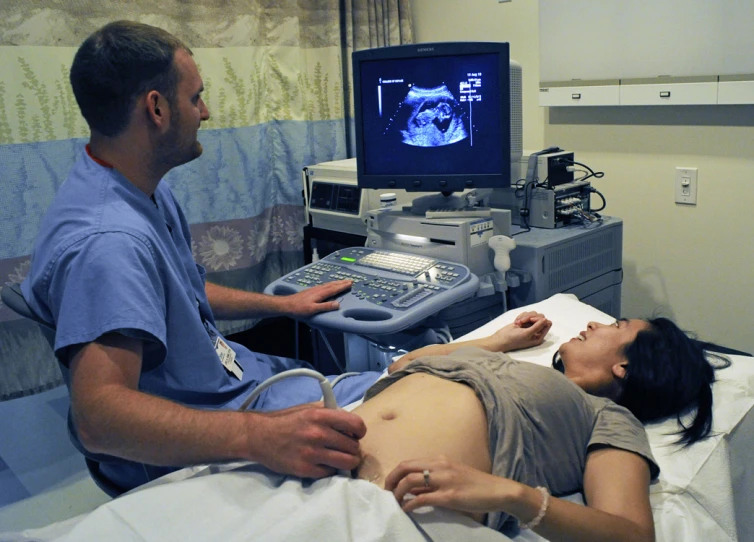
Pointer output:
x,y
308,440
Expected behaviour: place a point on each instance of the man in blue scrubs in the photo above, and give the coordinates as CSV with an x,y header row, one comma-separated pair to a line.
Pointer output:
x,y
154,386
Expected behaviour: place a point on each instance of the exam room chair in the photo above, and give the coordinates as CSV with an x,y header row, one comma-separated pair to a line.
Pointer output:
x,y
14,300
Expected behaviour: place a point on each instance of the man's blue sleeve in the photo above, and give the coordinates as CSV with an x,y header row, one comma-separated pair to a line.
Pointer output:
x,y
107,282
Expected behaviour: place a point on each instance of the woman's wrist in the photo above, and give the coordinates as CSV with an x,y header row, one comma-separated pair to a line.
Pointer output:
x,y
528,504
495,343
542,510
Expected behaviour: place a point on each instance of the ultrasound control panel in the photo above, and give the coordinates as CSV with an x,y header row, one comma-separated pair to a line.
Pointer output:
x,y
391,290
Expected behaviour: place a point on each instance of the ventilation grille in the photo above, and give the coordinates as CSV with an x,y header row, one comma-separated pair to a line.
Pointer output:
x,y
606,300
606,306
517,117
581,261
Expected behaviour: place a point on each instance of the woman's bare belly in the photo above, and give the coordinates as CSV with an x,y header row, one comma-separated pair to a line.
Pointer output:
x,y
422,416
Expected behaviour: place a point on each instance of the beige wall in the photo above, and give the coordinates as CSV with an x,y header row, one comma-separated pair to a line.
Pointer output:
x,y
692,263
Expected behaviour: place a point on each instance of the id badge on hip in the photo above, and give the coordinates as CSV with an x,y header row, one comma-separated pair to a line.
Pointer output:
x,y
224,352
228,358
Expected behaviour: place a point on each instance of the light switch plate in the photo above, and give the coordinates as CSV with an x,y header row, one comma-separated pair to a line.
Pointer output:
x,y
686,180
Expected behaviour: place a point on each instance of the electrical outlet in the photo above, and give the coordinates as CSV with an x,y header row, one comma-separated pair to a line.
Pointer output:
x,y
685,185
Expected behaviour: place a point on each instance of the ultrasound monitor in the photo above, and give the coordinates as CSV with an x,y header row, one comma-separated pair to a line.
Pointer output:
x,y
433,117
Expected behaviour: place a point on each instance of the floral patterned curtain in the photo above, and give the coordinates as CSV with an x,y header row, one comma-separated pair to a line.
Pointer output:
x,y
276,77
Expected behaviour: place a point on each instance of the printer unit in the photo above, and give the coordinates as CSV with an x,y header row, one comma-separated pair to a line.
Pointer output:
x,y
334,200
461,240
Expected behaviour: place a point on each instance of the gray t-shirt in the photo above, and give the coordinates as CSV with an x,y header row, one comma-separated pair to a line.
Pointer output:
x,y
541,425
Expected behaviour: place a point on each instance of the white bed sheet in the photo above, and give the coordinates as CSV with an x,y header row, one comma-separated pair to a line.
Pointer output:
x,y
703,493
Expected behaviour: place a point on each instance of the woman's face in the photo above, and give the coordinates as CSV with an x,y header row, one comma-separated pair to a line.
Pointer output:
x,y
594,359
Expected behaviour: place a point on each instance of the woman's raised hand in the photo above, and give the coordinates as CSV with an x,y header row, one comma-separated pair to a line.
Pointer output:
x,y
529,329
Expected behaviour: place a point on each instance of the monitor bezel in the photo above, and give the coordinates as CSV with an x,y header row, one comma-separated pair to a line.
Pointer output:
x,y
446,183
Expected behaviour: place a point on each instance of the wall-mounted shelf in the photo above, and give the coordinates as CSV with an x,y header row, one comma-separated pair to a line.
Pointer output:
x,y
703,90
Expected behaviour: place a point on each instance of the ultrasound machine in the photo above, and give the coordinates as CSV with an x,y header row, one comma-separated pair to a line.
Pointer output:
x,y
441,121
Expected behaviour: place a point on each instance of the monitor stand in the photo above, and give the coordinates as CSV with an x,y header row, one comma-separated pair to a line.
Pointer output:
x,y
422,204
448,203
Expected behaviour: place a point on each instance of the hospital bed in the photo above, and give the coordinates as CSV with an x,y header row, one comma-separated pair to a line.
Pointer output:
x,y
704,492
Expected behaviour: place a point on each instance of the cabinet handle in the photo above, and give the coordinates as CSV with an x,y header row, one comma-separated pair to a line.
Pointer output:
x,y
576,96
665,94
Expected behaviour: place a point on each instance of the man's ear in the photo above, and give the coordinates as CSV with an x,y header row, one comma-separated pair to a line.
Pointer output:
x,y
157,108
619,370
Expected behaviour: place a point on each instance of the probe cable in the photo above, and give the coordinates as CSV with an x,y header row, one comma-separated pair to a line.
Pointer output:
x,y
327,394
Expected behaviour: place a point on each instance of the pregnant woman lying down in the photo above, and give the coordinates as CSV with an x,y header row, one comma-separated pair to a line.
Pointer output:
x,y
465,426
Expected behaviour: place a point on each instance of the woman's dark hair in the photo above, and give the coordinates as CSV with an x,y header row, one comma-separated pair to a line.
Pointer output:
x,y
118,63
668,374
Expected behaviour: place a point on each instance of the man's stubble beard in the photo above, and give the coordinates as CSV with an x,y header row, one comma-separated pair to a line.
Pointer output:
x,y
169,152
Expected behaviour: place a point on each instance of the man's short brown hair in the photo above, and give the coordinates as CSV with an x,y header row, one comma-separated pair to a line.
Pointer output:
x,y
117,64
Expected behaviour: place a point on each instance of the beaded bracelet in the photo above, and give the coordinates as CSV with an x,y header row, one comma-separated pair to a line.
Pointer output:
x,y
542,510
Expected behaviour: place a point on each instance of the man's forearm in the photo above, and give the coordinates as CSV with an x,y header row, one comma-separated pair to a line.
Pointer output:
x,y
148,429
233,304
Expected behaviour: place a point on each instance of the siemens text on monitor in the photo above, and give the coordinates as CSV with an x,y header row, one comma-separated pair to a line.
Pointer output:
x,y
433,117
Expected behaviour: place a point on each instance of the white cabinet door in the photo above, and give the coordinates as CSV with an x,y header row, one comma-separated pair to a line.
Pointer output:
x,y
554,96
669,94
735,92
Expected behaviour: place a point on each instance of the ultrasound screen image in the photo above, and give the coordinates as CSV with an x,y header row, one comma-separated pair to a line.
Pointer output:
x,y
432,115
435,118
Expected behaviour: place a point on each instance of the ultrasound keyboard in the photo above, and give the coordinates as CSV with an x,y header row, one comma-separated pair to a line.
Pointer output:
x,y
391,291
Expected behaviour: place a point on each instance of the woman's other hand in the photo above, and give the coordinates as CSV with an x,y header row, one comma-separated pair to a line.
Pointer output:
x,y
449,484
529,329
